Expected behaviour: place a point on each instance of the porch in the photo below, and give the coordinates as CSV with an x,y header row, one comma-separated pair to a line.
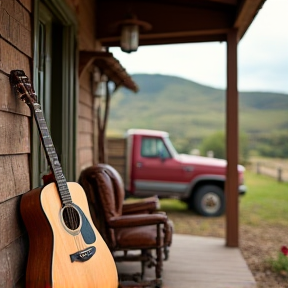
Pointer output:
x,y
198,262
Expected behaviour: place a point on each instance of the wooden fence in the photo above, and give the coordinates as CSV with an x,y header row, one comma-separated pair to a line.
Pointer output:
x,y
116,154
277,170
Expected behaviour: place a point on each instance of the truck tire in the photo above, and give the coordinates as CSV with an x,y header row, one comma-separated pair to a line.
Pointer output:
x,y
209,200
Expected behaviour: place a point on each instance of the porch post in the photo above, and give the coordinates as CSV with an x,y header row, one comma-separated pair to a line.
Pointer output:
x,y
231,187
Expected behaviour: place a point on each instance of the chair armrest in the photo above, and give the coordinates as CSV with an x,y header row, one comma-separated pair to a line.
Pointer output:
x,y
127,221
148,205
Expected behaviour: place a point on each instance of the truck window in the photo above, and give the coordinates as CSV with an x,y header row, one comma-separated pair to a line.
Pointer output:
x,y
154,147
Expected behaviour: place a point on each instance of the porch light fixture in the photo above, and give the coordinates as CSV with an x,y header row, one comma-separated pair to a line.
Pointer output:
x,y
130,28
98,83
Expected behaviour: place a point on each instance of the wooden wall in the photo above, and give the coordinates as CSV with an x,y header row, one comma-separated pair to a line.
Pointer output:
x,y
15,53
85,140
86,130
16,44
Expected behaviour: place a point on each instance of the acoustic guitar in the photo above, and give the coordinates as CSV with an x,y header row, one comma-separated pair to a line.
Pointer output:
x,y
65,248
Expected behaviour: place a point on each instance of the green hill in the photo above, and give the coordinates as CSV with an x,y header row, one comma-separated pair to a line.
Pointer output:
x,y
189,110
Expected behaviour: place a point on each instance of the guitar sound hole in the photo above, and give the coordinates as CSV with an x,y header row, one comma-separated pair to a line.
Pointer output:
x,y
71,217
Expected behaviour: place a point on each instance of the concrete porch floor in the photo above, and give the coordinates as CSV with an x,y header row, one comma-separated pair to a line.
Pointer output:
x,y
199,262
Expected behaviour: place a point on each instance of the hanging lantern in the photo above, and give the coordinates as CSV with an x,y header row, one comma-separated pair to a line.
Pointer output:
x,y
130,28
129,41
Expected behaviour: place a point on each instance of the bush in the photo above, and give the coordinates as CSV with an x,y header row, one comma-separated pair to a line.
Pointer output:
x,y
280,264
217,143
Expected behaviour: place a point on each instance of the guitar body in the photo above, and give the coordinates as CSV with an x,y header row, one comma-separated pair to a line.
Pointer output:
x,y
51,244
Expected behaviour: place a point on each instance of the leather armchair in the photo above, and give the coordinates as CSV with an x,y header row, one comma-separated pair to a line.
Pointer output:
x,y
146,205
127,227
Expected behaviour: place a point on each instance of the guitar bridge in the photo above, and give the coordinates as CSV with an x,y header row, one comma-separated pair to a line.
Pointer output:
x,y
83,255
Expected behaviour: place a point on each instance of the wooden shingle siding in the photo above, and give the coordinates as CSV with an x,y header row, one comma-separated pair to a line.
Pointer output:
x,y
14,144
27,4
15,140
86,97
85,158
16,25
10,217
85,126
85,111
87,24
85,134
85,82
14,134
11,59
14,177
14,181
12,262
85,140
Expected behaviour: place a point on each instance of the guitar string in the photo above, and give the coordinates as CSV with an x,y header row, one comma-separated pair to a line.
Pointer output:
x,y
77,244
57,171
52,158
81,241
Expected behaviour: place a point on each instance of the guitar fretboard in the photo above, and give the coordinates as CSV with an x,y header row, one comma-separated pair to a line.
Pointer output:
x,y
51,154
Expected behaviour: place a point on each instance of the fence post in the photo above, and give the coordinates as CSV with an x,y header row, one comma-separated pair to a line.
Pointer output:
x,y
279,174
258,168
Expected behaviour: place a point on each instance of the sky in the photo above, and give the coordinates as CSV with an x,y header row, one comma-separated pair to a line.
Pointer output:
x,y
262,56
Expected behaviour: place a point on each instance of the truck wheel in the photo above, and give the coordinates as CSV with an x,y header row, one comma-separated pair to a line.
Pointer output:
x,y
209,200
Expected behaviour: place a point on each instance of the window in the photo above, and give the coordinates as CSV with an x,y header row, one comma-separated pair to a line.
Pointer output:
x,y
154,147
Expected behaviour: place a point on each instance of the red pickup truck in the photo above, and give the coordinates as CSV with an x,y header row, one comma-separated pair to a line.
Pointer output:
x,y
153,166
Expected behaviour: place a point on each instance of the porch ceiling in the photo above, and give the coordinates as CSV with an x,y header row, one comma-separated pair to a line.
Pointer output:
x,y
177,21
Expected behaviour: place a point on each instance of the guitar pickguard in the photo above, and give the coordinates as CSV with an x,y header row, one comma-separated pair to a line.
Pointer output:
x,y
86,229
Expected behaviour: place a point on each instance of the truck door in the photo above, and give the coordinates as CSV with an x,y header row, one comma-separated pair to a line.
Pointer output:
x,y
156,171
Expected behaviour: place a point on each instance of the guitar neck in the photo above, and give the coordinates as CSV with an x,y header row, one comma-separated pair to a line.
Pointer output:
x,y
51,154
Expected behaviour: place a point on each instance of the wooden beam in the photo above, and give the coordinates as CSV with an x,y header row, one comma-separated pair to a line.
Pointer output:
x,y
246,13
179,34
231,186
229,2
173,38
173,19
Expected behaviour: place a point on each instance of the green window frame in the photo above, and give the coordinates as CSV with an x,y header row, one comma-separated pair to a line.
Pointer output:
x,y
55,83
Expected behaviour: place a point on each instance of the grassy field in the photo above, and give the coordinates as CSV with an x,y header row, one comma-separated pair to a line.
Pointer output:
x,y
266,201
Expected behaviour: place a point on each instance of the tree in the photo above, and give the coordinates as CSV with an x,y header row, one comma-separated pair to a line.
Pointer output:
x,y
217,143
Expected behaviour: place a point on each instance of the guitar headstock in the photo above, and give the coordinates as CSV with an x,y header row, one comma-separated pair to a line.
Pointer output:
x,y
22,86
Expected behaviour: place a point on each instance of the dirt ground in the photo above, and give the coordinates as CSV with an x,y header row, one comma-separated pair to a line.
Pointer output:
x,y
257,244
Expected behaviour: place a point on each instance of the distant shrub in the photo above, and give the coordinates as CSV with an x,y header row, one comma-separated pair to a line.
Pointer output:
x,y
270,145
217,143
